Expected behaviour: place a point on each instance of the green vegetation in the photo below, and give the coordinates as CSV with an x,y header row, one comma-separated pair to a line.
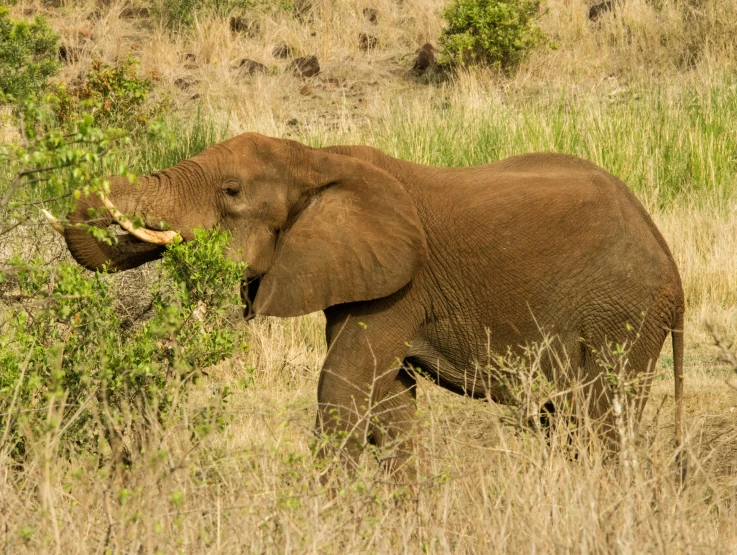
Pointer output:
x,y
66,355
116,96
69,139
28,56
51,162
66,352
497,33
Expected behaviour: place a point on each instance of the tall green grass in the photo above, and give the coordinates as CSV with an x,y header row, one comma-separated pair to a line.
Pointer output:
x,y
180,139
665,143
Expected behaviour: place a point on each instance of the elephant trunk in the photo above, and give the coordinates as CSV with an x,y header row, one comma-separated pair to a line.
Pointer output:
x,y
128,252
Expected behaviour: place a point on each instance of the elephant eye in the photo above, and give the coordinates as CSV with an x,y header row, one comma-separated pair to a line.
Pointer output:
x,y
232,190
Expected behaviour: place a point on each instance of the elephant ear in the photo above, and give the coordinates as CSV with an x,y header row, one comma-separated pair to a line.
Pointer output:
x,y
357,238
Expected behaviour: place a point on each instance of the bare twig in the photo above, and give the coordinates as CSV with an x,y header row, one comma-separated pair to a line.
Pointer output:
x,y
43,201
727,355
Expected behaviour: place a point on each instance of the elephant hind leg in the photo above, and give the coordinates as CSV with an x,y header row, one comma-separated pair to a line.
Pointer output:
x,y
548,418
612,403
392,424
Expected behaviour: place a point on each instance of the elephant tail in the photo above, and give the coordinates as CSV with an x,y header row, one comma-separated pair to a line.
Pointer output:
x,y
677,337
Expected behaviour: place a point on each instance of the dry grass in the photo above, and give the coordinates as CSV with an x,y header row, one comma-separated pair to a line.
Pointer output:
x,y
484,486
644,40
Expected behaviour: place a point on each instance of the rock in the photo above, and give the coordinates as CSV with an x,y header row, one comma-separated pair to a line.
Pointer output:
x,y
251,67
68,54
307,66
185,82
426,59
282,50
134,13
238,24
245,26
598,10
306,90
302,10
371,14
367,42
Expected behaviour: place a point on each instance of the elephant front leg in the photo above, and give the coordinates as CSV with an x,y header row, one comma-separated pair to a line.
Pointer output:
x,y
364,396
392,425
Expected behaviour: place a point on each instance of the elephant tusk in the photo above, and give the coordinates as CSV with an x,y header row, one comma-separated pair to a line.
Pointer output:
x,y
146,235
55,223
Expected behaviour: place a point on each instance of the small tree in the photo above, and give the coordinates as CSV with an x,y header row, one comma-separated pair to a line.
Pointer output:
x,y
498,33
28,56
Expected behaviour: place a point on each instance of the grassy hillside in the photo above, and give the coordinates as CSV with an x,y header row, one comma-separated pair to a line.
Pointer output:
x,y
647,91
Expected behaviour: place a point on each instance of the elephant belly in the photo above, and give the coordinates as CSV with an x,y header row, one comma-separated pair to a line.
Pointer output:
x,y
464,376
464,361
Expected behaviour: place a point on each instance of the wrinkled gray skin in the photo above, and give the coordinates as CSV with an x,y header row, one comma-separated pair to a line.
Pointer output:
x,y
412,265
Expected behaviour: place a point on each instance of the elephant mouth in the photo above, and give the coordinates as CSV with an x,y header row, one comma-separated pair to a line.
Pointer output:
x,y
249,289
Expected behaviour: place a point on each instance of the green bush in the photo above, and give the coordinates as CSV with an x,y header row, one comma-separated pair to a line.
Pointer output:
x,y
28,56
116,96
69,363
65,355
498,33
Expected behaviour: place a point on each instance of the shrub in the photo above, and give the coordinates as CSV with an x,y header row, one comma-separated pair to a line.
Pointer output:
x,y
65,356
28,56
114,95
498,33
70,136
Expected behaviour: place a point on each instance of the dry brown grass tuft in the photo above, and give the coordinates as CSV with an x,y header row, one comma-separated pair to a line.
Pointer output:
x,y
636,39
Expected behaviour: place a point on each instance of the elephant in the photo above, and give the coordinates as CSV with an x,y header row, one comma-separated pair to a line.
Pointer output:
x,y
415,267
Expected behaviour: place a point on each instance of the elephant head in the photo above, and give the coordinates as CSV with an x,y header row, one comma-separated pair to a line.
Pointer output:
x,y
315,228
